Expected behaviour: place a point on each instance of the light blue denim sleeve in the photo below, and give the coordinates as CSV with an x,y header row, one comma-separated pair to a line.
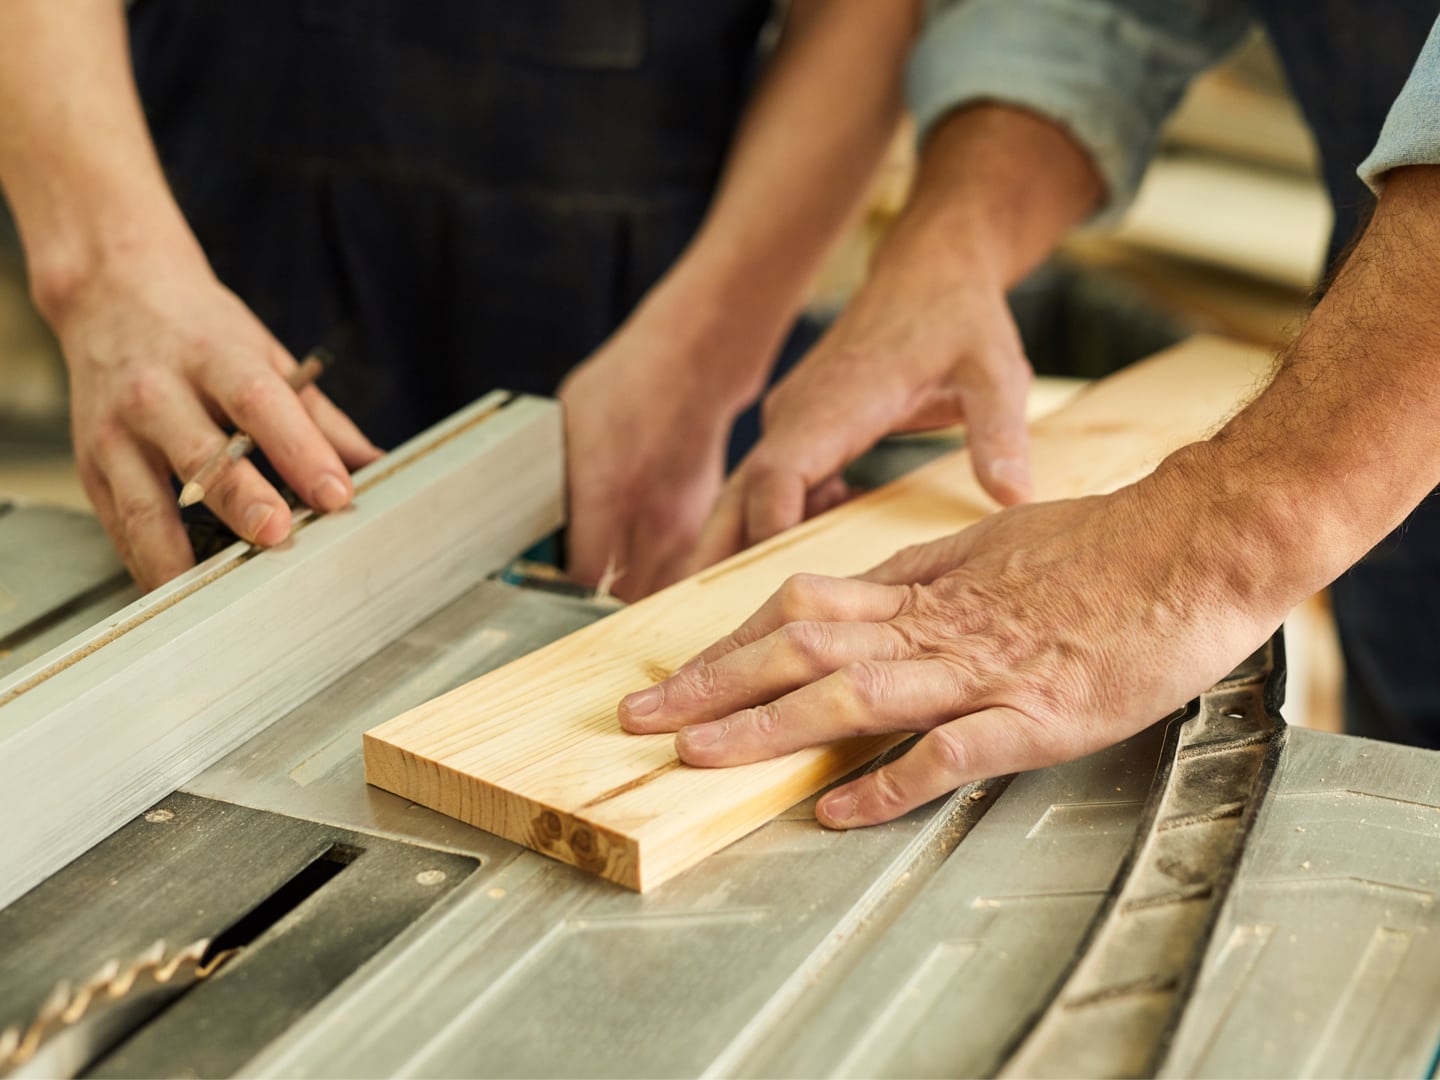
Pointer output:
x,y
1411,135
1108,71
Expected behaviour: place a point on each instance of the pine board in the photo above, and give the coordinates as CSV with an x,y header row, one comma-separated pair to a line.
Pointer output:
x,y
533,751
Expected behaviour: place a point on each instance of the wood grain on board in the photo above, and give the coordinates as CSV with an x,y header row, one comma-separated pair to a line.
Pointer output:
x,y
533,751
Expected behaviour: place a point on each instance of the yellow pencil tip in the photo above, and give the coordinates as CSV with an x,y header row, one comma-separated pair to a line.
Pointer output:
x,y
191,494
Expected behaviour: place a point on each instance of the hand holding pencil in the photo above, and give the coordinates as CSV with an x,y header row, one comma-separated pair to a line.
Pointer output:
x,y
240,444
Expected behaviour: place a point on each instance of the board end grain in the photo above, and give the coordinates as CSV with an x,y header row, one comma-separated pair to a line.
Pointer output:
x,y
546,829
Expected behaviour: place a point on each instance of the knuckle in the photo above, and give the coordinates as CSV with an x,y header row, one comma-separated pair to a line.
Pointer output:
x,y
807,639
797,596
703,682
106,440
764,720
251,396
228,492
208,363
949,751
914,600
200,351
140,392
962,680
886,793
867,682
137,514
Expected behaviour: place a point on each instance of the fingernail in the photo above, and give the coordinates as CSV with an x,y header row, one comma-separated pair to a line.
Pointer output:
x,y
644,702
255,519
699,736
839,807
329,494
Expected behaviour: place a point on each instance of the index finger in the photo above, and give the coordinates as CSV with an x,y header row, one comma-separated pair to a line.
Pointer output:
x,y
803,598
260,401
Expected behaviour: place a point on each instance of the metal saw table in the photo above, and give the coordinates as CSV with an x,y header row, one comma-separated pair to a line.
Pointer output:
x,y
1219,896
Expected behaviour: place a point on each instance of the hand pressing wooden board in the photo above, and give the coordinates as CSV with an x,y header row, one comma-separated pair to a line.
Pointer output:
x,y
533,751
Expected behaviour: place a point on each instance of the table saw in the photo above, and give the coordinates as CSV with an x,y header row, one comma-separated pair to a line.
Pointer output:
x,y
213,890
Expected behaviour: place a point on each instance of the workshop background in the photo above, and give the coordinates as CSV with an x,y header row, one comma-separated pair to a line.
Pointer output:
x,y
1227,235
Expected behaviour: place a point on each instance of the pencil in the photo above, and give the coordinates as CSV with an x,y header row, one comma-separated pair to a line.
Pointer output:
x,y
240,443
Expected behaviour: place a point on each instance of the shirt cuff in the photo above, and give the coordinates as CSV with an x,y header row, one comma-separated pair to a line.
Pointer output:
x,y
1411,135
1104,73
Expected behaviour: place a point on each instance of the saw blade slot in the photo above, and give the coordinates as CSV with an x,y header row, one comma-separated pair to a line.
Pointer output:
x,y
254,924
277,912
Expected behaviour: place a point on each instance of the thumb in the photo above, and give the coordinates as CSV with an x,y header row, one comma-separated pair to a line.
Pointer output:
x,y
797,464
998,436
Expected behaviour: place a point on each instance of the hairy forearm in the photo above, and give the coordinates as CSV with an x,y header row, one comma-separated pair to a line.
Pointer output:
x,y
998,188
1342,444
76,159
803,158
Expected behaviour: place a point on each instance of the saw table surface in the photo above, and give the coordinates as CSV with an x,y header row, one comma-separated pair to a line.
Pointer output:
x,y
930,946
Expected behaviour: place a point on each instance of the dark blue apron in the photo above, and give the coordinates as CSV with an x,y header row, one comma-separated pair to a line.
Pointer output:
x,y
474,193
1346,62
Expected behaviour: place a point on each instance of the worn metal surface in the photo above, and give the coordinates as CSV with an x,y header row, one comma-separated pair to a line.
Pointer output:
x,y
1326,960
318,902
1115,1012
951,982
309,764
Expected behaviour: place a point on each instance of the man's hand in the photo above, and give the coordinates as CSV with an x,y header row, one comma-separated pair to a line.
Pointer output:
x,y
161,356
928,340
915,350
1041,634
647,422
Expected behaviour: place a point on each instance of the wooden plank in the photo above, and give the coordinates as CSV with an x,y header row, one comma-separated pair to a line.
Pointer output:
x,y
101,728
1269,225
533,751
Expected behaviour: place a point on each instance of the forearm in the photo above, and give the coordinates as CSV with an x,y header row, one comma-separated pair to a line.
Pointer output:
x,y
803,158
997,190
76,159
1341,445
